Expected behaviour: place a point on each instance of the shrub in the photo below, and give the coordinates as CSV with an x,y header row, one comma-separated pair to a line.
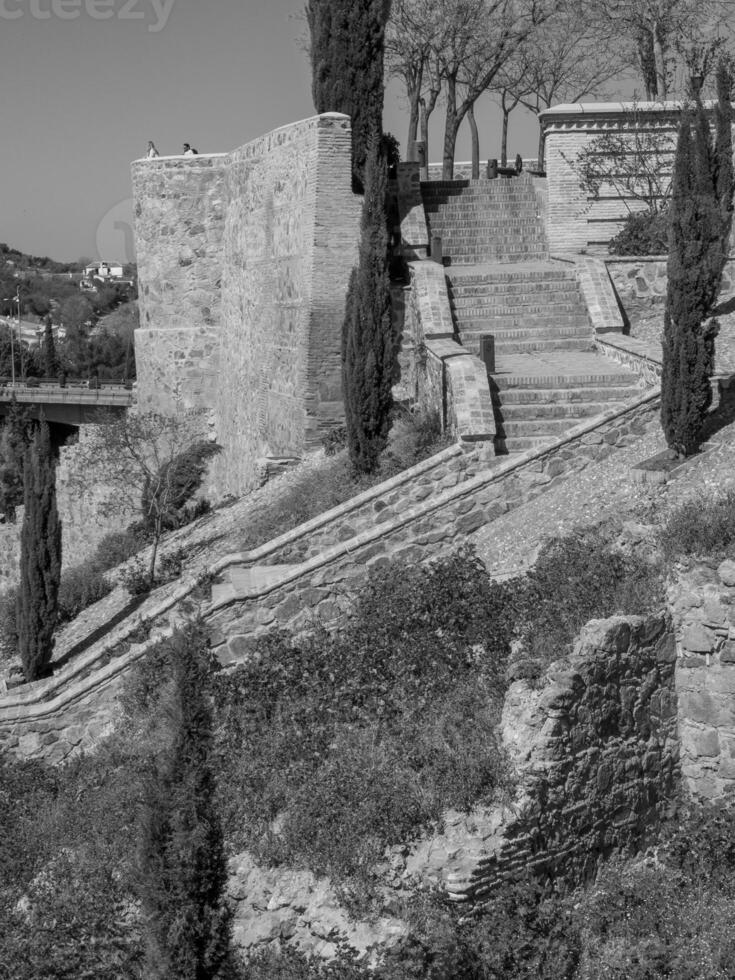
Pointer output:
x,y
575,579
335,440
117,546
356,740
80,587
136,578
643,233
700,526
414,436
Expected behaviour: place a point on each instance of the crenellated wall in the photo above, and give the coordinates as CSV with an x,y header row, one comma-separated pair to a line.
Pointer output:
x,y
243,262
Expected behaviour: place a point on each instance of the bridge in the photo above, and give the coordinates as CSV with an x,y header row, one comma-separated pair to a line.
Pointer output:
x,y
75,403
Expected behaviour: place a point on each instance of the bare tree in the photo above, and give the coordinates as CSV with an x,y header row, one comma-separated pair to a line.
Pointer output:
x,y
408,50
147,462
657,31
478,39
562,62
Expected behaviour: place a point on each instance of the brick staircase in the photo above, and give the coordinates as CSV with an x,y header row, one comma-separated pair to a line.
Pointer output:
x,y
485,220
548,375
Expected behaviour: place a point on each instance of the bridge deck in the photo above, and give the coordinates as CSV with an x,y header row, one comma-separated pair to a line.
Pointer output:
x,y
74,404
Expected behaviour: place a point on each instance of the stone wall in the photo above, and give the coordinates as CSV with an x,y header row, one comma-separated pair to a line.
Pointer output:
x,y
703,604
595,754
644,279
442,375
290,243
180,209
243,263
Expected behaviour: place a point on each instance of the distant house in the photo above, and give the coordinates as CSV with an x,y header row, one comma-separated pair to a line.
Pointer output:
x,y
104,271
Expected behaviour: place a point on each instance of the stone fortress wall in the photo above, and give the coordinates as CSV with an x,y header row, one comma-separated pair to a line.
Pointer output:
x,y
243,262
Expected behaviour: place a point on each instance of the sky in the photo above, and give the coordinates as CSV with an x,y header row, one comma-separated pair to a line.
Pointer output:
x,y
88,82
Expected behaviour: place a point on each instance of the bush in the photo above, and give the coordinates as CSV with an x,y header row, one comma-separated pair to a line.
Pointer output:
x,y
644,233
700,526
136,578
117,546
414,436
80,587
575,579
335,440
358,740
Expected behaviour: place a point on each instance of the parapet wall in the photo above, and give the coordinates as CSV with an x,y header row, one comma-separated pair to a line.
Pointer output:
x,y
180,207
576,219
243,261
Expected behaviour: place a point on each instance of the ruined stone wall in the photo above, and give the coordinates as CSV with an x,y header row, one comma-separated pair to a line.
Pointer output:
x,y
595,754
290,243
180,207
702,600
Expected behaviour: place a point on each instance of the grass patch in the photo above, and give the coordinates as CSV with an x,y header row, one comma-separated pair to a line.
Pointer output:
x,y
577,578
704,525
413,438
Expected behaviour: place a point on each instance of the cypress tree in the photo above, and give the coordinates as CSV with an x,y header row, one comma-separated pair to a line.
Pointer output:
x,y
368,343
182,864
701,217
50,361
40,558
17,433
347,43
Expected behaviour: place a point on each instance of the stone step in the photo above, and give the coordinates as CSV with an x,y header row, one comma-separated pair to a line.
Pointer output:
x,y
533,345
520,444
524,428
540,330
467,256
508,412
470,309
535,382
540,397
514,289
491,276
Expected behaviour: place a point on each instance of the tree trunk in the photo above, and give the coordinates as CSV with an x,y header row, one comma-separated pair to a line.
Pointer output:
x,y
504,136
427,107
157,531
451,128
541,165
475,143
659,53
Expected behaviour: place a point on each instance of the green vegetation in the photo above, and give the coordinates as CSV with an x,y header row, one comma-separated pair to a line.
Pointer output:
x,y
701,217
182,870
643,233
40,558
369,344
413,438
703,525
16,434
575,579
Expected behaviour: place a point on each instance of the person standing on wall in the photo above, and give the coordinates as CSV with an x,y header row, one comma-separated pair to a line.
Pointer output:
x,y
151,151
189,151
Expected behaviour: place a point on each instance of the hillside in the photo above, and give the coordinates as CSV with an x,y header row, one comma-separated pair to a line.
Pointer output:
x,y
648,527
